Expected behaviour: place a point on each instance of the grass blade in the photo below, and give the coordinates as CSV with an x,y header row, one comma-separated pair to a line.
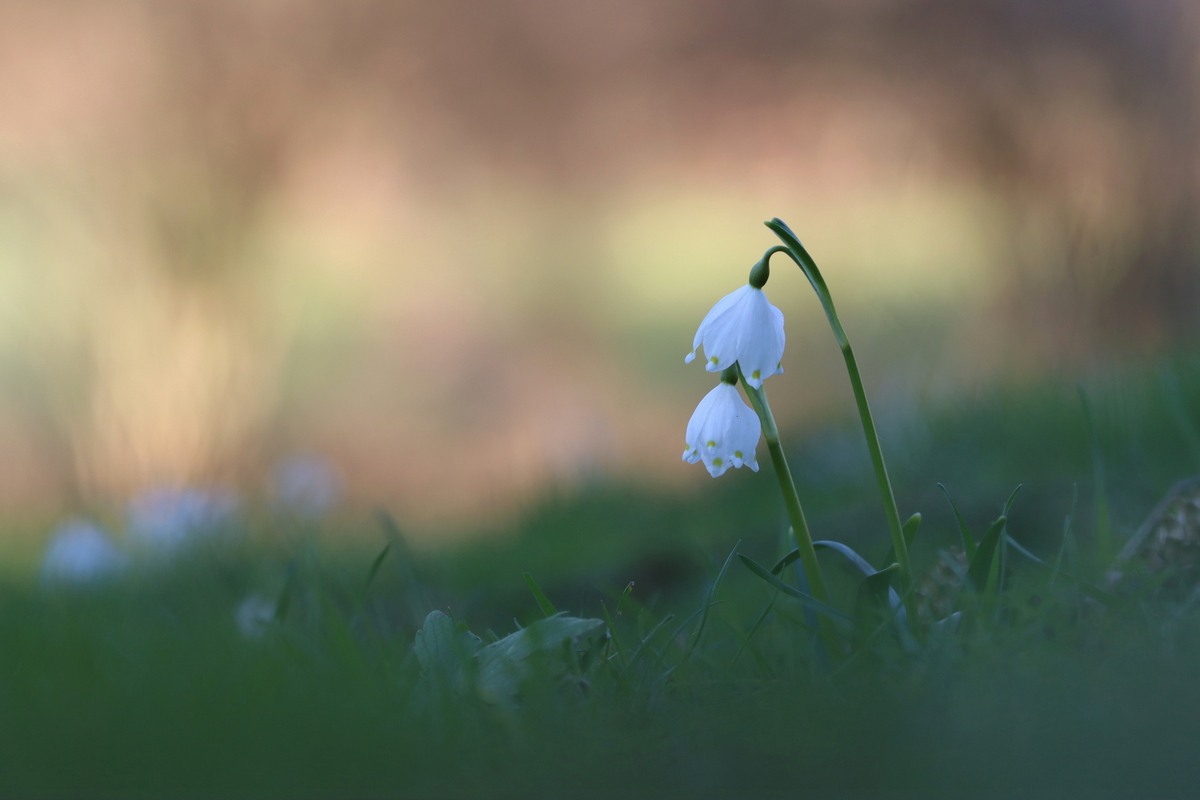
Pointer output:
x,y
633,659
375,565
754,629
612,634
543,602
1011,498
621,599
708,603
1067,536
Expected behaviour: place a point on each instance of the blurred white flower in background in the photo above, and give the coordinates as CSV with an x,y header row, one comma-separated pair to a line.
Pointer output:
x,y
254,616
723,432
81,552
166,519
308,486
742,327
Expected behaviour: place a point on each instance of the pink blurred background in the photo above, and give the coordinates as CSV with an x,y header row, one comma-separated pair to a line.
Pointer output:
x,y
459,249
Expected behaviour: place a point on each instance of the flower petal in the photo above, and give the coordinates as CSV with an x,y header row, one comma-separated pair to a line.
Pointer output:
x,y
723,431
762,340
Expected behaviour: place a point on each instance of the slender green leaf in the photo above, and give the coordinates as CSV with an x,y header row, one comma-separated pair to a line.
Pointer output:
x,y
787,561
1011,498
981,564
806,600
996,570
624,595
854,558
803,260
543,602
968,539
1024,551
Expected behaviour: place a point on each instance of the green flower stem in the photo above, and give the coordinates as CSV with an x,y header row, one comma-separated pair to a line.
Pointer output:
x,y
787,486
803,260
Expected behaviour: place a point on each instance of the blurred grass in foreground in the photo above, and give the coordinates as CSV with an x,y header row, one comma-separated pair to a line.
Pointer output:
x,y
147,687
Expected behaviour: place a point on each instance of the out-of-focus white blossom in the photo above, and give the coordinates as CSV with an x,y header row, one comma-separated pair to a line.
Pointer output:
x,y
306,485
166,519
743,327
723,432
254,616
80,553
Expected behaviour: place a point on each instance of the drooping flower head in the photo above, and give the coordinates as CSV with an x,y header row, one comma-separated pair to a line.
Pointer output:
x,y
742,327
723,431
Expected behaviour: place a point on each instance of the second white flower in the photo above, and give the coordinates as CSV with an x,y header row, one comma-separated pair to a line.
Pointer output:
x,y
723,432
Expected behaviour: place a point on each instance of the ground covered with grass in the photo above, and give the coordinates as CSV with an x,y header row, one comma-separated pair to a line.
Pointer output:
x,y
644,656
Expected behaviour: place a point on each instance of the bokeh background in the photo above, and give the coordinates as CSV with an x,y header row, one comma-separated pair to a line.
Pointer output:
x,y
458,250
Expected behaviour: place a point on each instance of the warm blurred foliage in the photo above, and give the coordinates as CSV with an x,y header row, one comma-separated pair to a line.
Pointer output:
x,y
461,247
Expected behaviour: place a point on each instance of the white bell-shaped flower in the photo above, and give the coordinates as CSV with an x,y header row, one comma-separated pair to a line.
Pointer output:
x,y
742,327
723,432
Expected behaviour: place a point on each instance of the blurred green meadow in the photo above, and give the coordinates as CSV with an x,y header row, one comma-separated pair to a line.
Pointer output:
x,y
342,395
149,684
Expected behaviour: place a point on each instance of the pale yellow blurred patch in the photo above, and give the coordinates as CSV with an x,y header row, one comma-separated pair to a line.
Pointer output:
x,y
674,254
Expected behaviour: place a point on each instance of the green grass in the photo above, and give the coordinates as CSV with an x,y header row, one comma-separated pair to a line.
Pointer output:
x,y
146,688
